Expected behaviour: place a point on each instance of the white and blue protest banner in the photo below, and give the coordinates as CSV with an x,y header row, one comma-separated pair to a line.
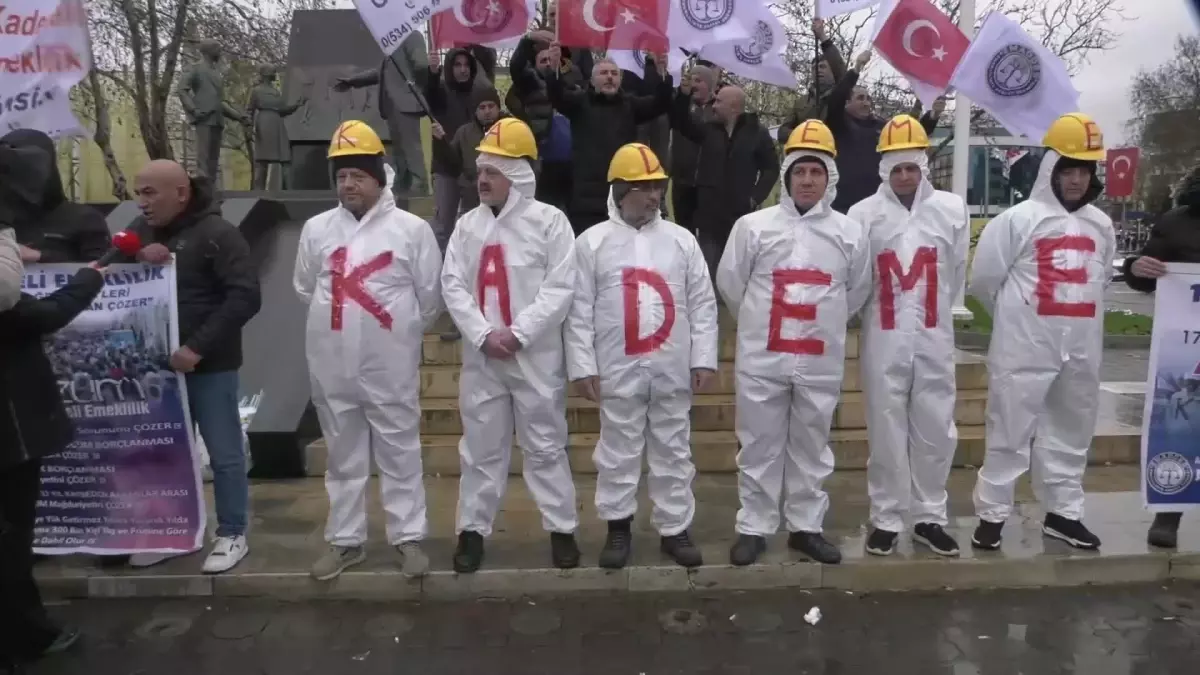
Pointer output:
x,y
129,481
1171,422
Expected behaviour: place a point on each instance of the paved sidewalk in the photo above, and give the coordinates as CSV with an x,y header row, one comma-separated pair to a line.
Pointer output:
x,y
286,537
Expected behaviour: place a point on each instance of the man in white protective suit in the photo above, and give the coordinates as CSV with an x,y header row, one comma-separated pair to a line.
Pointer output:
x,y
1041,269
508,281
368,271
641,336
793,274
920,238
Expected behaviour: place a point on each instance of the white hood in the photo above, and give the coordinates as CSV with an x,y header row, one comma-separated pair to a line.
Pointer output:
x,y
785,199
516,170
893,159
614,212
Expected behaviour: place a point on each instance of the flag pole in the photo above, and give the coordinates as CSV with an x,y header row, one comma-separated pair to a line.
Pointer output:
x,y
962,150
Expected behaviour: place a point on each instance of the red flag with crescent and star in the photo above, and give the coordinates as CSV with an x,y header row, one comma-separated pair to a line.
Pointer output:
x,y
604,24
482,22
1120,172
920,42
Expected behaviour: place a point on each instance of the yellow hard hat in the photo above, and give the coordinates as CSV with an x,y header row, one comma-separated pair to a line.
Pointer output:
x,y
1077,136
354,138
811,135
902,132
634,162
509,137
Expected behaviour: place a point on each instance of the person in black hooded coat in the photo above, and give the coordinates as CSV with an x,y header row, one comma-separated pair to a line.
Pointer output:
x,y
33,421
56,230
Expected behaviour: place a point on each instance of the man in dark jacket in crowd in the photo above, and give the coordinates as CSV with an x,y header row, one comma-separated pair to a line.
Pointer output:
x,y
456,154
574,64
529,100
1175,238
452,93
33,422
56,230
736,168
603,118
684,153
217,294
856,130
828,70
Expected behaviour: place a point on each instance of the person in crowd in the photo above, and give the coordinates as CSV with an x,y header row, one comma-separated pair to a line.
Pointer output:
x,y
453,93
793,274
1040,270
529,100
401,78
33,422
1175,238
507,281
828,69
56,230
641,336
456,151
574,65
217,294
684,153
603,118
369,273
736,166
919,243
856,127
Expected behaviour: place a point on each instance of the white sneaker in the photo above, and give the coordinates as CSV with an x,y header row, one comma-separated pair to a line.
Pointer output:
x,y
140,560
226,554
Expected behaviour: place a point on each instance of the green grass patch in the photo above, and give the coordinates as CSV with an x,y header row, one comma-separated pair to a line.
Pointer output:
x,y
1115,322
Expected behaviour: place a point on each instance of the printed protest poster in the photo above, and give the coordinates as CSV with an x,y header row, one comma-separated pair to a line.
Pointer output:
x,y
1171,424
128,483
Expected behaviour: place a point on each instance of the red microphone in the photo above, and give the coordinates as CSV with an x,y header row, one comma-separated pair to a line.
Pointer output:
x,y
124,243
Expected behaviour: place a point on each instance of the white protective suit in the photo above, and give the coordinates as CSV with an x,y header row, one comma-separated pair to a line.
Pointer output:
x,y
371,286
1041,272
907,356
793,281
643,317
11,269
515,269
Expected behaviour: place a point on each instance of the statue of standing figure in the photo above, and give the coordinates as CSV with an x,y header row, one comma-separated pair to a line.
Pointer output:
x,y
201,92
268,107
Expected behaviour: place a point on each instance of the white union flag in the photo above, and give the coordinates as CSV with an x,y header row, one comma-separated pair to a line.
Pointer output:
x,y
759,57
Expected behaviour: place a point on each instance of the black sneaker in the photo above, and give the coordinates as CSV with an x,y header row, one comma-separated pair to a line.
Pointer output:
x,y
617,546
468,555
987,535
936,538
815,546
682,550
1071,531
1164,533
564,552
746,549
881,542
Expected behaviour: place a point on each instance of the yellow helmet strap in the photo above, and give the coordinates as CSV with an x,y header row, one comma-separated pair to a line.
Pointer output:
x,y
372,165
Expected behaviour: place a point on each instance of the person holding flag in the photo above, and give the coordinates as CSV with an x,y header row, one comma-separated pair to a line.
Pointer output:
x,y
1040,270
793,274
641,337
508,281
919,242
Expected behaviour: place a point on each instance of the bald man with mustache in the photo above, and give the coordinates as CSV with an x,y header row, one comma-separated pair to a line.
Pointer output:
x,y
217,291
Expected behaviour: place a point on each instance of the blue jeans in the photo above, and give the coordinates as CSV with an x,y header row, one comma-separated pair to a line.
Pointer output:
x,y
213,401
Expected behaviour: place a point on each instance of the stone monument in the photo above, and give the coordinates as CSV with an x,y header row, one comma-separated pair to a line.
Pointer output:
x,y
201,92
269,109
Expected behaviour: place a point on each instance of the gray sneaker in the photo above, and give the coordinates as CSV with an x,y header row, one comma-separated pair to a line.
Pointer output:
x,y
337,560
414,563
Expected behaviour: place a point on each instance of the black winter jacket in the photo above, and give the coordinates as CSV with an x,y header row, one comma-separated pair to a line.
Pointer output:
x,y
216,279
33,420
1175,238
734,172
60,230
600,125
451,102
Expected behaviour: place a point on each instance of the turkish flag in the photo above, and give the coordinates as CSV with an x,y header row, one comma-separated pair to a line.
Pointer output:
x,y
1120,167
614,24
482,22
920,42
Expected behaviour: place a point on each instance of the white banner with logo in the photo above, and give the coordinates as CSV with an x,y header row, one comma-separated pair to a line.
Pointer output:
x,y
390,21
44,51
1171,419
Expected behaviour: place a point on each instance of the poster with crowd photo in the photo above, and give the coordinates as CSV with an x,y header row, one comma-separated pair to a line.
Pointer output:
x,y
1171,423
128,482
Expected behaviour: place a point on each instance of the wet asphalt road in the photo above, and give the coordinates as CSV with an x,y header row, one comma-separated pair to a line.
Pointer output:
x,y
1143,630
